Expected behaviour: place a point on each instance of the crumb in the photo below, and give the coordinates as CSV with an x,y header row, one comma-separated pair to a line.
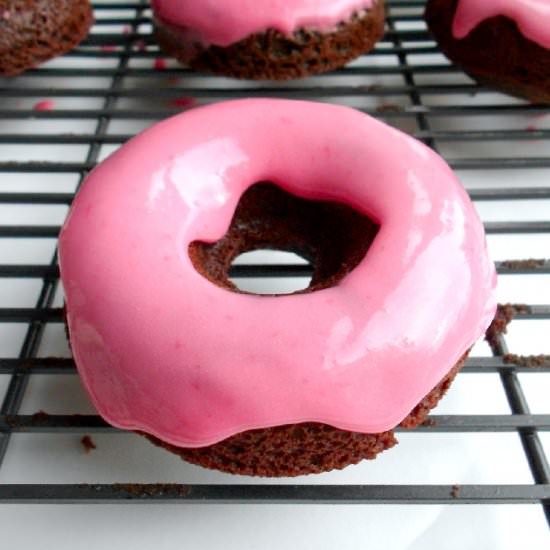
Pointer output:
x,y
40,417
140,45
152,489
455,491
160,64
503,317
368,88
44,105
531,361
522,264
388,108
88,444
126,29
108,48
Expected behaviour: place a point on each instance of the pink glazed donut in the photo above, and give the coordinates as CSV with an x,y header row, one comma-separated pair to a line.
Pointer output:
x,y
165,349
503,43
267,39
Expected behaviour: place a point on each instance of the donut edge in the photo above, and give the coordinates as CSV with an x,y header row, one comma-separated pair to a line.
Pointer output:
x,y
299,449
306,448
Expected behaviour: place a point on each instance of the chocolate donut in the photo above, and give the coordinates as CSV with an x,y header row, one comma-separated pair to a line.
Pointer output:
x,y
504,44
269,40
165,344
34,31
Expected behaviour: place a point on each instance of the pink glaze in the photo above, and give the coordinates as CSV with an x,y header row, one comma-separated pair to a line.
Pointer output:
x,y
223,22
160,64
185,102
44,105
162,349
531,16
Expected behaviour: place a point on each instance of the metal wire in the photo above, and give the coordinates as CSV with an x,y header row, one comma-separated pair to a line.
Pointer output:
x,y
116,99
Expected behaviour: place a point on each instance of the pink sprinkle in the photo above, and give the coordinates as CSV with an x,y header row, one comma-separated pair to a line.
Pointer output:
x,y
107,48
160,64
6,15
531,128
140,44
185,102
126,29
45,105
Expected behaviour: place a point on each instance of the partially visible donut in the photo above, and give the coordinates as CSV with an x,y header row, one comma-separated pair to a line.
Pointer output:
x,y
164,344
34,31
270,39
502,43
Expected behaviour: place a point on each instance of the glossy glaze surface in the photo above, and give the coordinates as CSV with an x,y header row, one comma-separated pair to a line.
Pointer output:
x,y
162,349
532,17
224,22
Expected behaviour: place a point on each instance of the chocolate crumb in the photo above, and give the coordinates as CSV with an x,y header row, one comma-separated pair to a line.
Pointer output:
x,y
40,418
455,491
522,264
370,88
388,108
503,317
531,361
142,490
88,444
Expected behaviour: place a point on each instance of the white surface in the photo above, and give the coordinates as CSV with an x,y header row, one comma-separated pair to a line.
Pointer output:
x,y
419,458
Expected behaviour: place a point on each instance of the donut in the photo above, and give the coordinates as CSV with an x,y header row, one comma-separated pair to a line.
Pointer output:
x,y
502,43
272,385
276,41
34,31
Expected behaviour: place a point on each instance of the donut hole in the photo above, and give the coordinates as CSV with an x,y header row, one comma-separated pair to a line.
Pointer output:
x,y
332,237
268,271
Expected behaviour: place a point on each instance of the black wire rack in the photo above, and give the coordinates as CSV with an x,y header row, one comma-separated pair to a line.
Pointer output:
x,y
399,82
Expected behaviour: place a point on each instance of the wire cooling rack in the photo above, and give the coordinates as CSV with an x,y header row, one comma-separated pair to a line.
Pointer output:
x,y
59,120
